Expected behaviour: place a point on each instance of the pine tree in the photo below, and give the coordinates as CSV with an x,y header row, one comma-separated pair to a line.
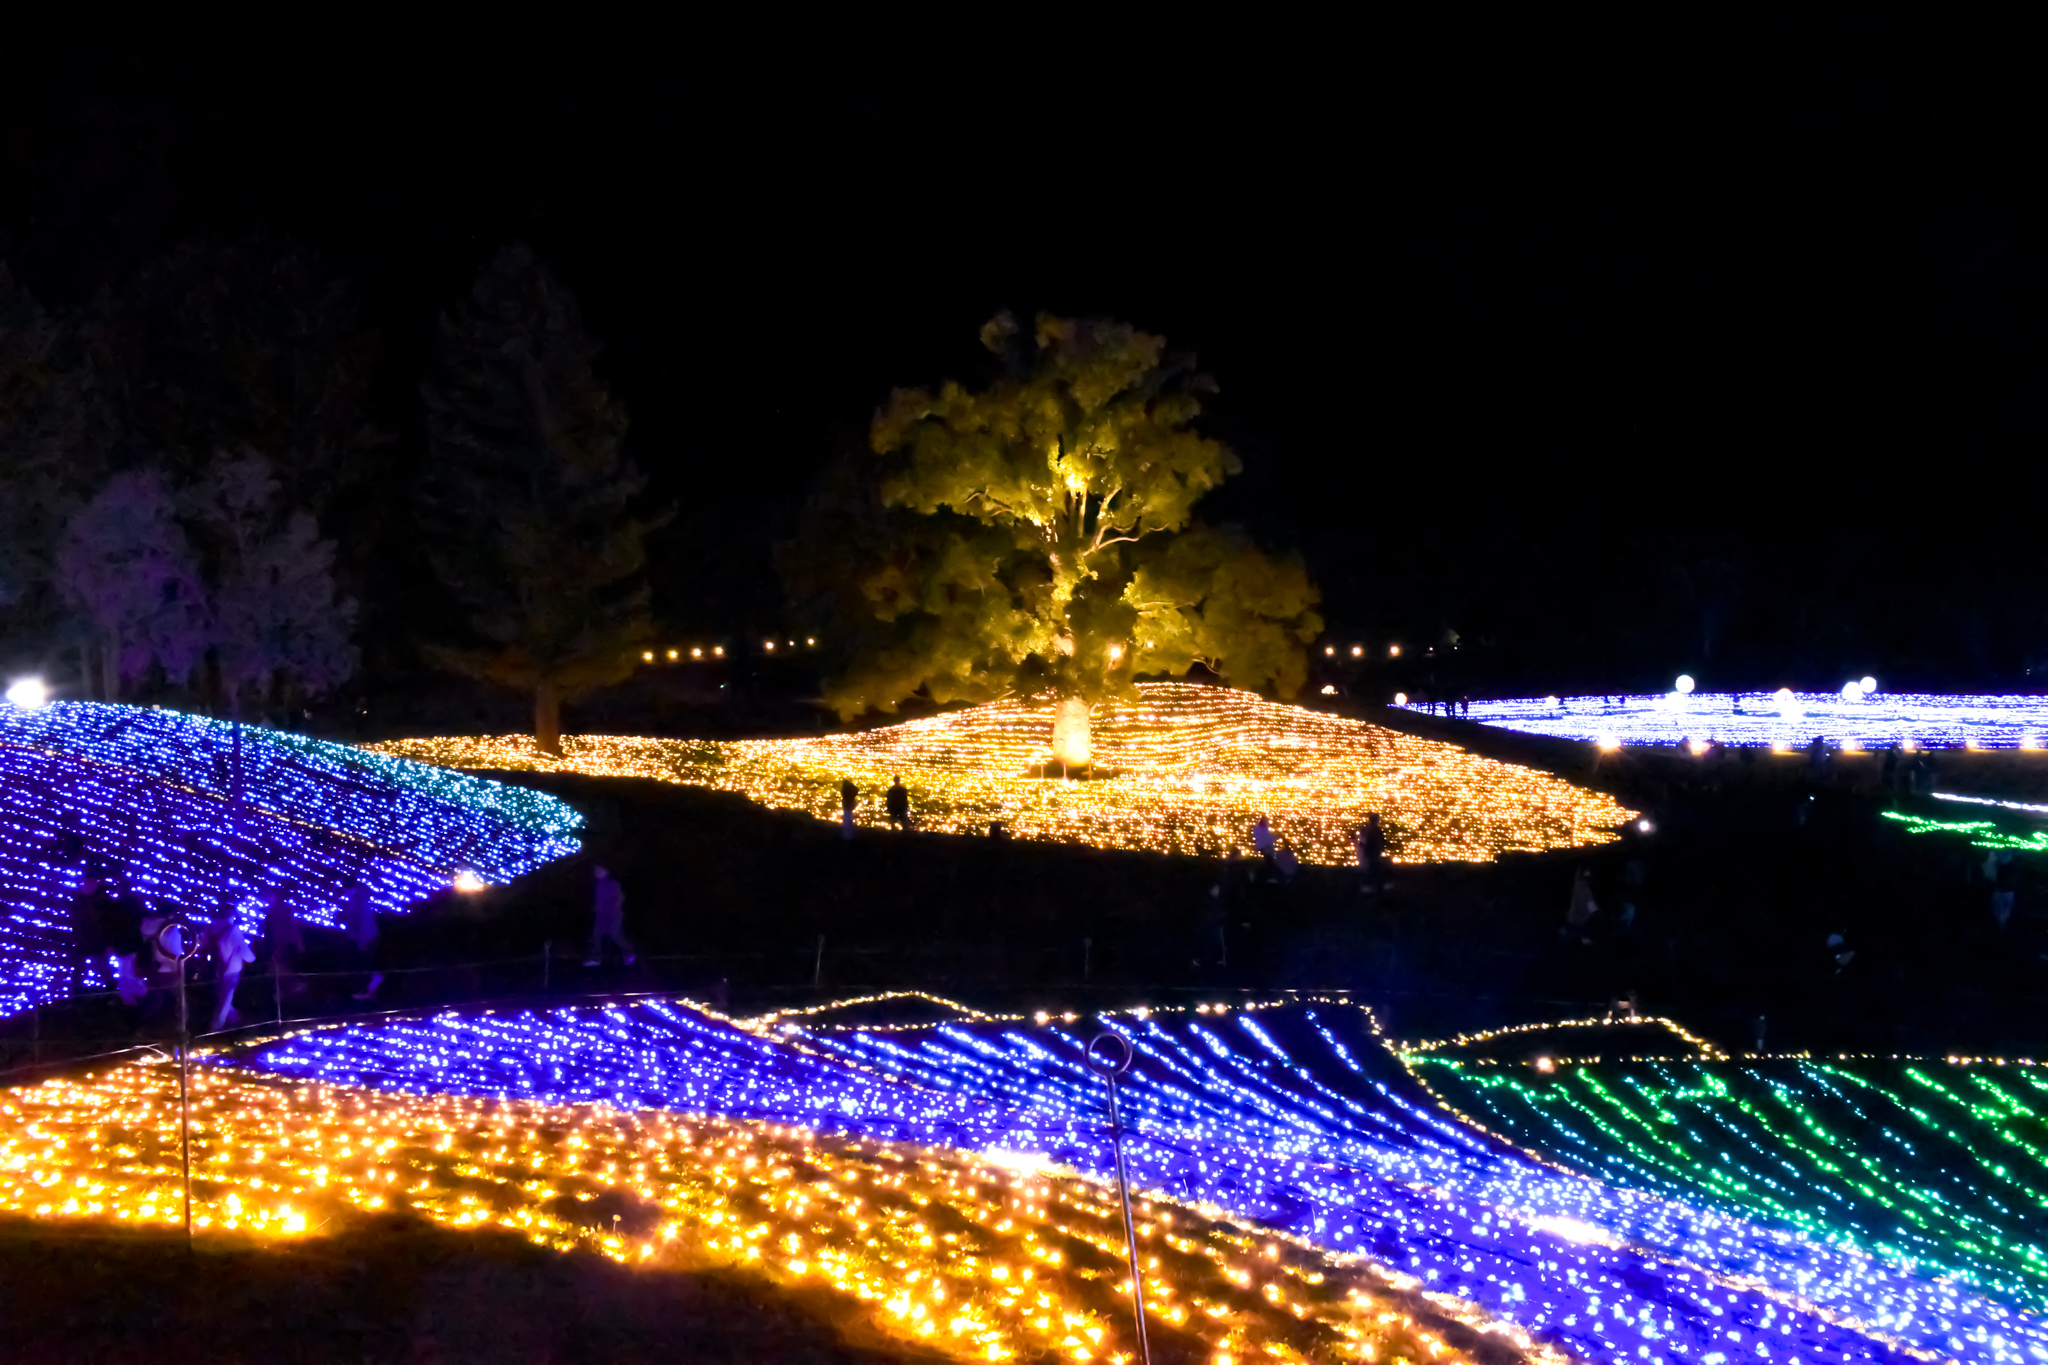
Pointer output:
x,y
530,510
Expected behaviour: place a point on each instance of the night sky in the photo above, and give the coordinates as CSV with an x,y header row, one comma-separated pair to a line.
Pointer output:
x,y
1618,353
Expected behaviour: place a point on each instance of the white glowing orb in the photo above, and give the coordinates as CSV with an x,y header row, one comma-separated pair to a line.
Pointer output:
x,y
1608,742
1684,685
1571,1229
1646,827
1852,692
1550,701
1024,1163
1400,699
467,881
1783,696
1329,689
1869,686
28,693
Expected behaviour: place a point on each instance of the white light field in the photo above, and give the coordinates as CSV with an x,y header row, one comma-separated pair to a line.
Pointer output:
x,y
1790,719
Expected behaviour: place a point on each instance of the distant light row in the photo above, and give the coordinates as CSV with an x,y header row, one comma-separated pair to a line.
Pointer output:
x,y
680,652
1857,717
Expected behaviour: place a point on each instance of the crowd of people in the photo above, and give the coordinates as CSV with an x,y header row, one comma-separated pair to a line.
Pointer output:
x,y
125,944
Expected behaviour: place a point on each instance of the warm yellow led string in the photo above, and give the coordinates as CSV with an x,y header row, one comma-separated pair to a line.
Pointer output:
x,y
942,1248
1188,768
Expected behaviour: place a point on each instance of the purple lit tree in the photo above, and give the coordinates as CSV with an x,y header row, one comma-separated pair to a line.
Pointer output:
x,y
276,620
125,564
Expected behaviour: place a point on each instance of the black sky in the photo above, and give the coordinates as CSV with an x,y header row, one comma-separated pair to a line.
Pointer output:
x,y
1627,351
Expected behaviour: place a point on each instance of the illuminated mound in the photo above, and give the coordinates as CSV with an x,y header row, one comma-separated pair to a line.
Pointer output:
x,y
941,1249
1194,767
153,794
1785,720
1277,1116
1937,1164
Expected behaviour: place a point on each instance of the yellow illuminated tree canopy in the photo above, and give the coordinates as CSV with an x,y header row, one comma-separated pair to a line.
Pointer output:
x,y
1039,535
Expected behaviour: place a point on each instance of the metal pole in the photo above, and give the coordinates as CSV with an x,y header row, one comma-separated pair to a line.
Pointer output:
x,y
818,964
547,965
1111,1069
184,1073
276,985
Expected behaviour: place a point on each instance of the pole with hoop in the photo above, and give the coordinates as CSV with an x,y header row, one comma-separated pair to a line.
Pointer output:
x,y
184,1064
1109,1067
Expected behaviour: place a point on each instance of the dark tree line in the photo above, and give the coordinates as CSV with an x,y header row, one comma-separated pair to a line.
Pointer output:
x,y
195,494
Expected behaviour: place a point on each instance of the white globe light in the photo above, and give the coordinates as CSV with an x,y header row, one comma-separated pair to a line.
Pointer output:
x,y
1400,699
1851,692
1684,683
28,693
1550,701
1783,696
1869,686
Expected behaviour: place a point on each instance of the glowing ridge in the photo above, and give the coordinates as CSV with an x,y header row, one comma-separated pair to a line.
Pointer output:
x,y
1262,1118
1185,768
152,794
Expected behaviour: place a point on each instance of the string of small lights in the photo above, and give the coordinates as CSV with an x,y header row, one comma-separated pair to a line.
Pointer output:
x,y
1939,1167
984,1256
190,820
1264,1115
1484,1036
1783,719
1181,769
1983,834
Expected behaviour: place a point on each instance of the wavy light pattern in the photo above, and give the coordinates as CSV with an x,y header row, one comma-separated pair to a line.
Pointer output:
x,y
1936,1165
1190,767
943,1249
1273,1116
1766,720
155,794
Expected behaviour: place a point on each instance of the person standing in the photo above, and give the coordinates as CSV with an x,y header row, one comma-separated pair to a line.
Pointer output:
x,y
899,805
283,940
231,952
359,922
849,797
92,912
1371,845
1582,909
1262,837
608,919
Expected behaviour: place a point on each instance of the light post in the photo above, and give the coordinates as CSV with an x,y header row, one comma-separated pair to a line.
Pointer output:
x,y
1109,1067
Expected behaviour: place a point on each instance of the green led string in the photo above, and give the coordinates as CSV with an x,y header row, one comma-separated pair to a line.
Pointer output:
x,y
1984,834
1793,1143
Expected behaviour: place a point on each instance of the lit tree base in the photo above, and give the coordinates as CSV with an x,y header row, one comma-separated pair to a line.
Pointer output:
x,y
1183,769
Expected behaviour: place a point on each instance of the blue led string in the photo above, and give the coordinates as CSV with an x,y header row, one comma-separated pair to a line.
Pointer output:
x,y
151,794
1272,1118
1764,720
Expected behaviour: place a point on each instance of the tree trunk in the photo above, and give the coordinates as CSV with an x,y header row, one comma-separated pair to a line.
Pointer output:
x,y
1071,747
547,720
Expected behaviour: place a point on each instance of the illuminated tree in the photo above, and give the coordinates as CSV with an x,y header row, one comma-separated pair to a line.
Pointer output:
x,y
125,563
275,617
1038,535
528,504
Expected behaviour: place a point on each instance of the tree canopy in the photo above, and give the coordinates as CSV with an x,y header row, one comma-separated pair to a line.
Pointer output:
x,y
529,505
1039,534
